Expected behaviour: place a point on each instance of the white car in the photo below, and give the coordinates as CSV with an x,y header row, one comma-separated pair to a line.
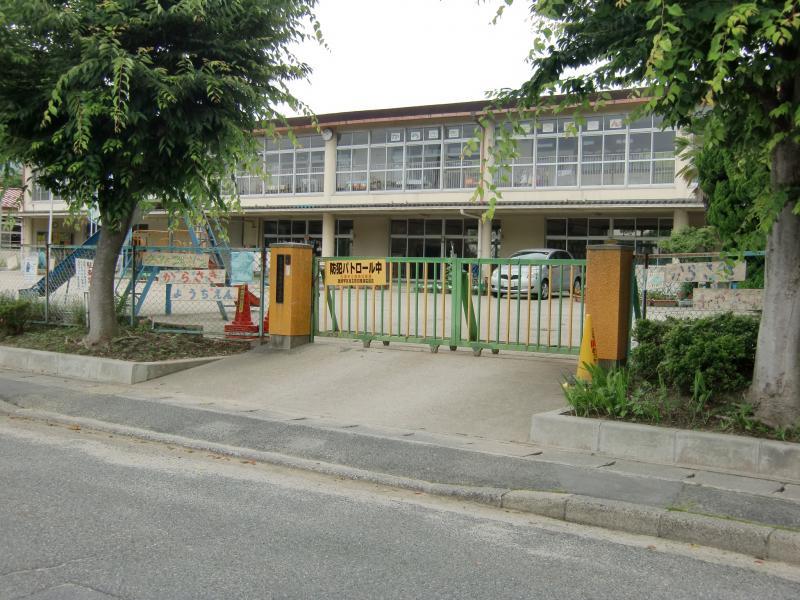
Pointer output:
x,y
514,279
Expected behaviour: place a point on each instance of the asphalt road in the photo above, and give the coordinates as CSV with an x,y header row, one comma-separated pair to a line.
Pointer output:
x,y
87,515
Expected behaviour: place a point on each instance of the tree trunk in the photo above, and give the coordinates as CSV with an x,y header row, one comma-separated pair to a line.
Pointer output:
x,y
102,309
775,390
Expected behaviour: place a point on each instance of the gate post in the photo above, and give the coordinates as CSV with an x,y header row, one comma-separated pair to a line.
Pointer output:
x,y
290,295
608,299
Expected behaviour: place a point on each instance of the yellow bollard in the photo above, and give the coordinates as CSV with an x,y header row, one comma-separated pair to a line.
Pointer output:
x,y
588,355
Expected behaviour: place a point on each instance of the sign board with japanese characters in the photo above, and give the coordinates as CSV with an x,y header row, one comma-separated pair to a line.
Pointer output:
x,y
30,266
192,276
180,260
705,272
83,273
195,293
356,272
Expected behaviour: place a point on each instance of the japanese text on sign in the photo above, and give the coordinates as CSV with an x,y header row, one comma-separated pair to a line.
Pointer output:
x,y
192,276
83,273
190,293
355,272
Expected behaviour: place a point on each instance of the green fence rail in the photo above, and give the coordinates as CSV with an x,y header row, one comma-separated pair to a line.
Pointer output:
x,y
511,304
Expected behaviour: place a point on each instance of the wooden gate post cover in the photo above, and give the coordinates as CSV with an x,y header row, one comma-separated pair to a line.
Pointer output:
x,y
608,298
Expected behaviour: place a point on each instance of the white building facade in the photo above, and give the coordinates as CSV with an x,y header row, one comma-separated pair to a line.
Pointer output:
x,y
400,182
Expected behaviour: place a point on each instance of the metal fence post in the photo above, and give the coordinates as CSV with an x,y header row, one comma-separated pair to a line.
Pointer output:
x,y
644,285
47,283
133,284
263,300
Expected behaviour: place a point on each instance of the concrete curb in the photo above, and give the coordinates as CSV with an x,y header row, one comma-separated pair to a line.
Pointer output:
x,y
666,445
760,541
93,368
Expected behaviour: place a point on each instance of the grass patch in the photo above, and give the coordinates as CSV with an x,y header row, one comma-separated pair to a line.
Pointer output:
x,y
134,344
615,394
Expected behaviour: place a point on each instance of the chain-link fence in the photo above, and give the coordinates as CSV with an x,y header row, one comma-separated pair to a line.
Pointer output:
x,y
173,289
698,285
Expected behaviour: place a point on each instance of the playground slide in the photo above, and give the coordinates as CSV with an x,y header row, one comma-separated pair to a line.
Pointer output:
x,y
65,269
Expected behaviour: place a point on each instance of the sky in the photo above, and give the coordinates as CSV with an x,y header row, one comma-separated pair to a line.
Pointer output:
x,y
390,53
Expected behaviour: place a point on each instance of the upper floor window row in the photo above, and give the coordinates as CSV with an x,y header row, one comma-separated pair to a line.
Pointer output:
x,y
410,158
285,167
40,193
605,150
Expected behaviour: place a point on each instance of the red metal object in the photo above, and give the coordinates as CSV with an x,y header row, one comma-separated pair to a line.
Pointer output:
x,y
242,326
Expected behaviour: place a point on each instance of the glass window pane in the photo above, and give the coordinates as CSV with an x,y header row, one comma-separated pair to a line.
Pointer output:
x,y
298,227
284,227
639,148
639,172
567,125
545,151
416,227
395,157
545,176
624,228
567,149
593,124
378,136
315,227
317,141
344,246
343,160
433,133
285,143
271,227
559,244
647,227
377,158
453,179
398,247
452,153
302,162
556,227
614,173
358,181
525,152
394,136
345,139
665,227
471,226
377,180
360,159
546,126
567,175
614,147
454,227
452,132
433,227
394,180
598,227
360,138
614,122
591,173
576,227
343,182
664,171
592,148
414,134
430,179
663,144
577,248
399,226
317,162
523,176
643,122
469,131
344,226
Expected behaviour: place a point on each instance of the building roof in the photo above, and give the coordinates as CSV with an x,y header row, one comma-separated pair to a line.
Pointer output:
x,y
426,111
12,199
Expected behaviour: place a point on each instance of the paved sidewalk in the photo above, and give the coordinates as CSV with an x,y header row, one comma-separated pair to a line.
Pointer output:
x,y
402,386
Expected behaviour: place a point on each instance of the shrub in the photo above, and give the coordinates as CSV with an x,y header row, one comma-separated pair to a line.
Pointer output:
x,y
649,352
612,393
722,348
15,314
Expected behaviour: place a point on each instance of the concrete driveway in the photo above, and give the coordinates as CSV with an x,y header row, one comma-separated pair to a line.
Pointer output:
x,y
401,386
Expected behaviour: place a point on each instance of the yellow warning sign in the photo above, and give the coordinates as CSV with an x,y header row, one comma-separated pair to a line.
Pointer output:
x,y
356,272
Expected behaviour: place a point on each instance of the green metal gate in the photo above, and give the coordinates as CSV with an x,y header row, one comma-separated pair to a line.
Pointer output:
x,y
512,304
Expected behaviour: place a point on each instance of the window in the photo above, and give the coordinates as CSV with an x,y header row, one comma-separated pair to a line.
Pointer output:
x,y
574,234
11,232
285,168
603,151
413,158
434,237
41,194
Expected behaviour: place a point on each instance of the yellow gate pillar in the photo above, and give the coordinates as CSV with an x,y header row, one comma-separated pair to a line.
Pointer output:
x,y
608,299
290,295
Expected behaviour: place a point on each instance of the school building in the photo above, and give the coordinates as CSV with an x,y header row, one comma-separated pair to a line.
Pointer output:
x,y
399,182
